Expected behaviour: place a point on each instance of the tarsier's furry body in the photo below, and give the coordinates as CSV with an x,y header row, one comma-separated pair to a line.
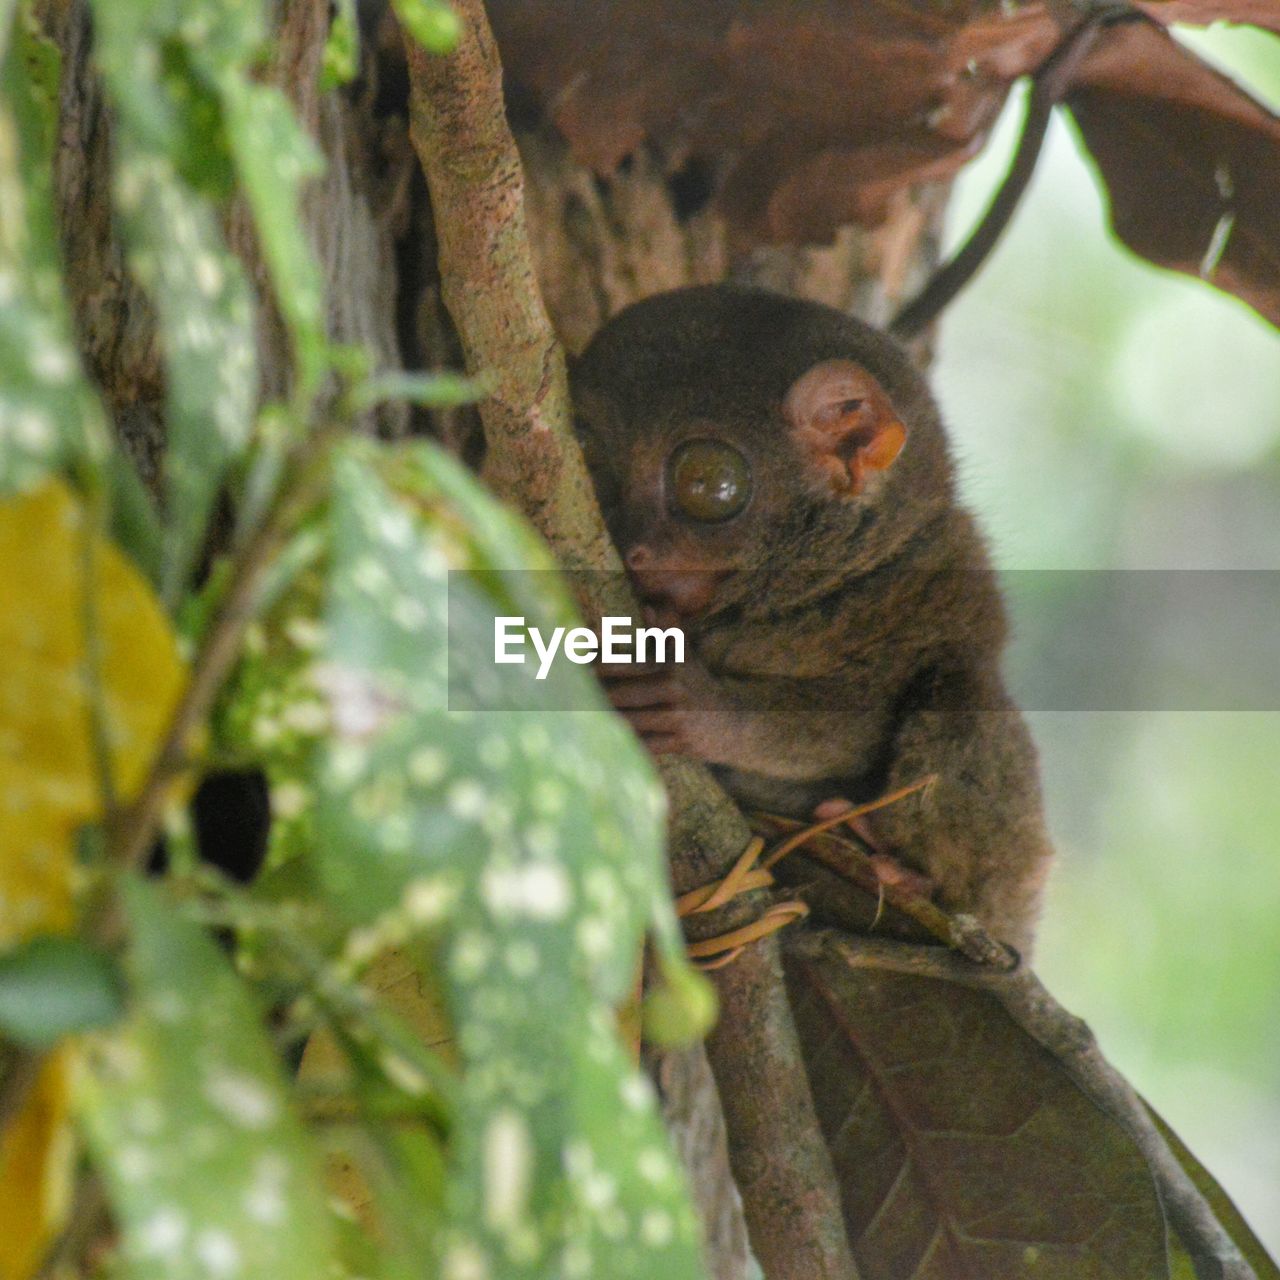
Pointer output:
x,y
778,480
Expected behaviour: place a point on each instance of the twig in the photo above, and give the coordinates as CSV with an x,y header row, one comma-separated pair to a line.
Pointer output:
x,y
458,124
1026,1000
459,127
131,836
844,856
1048,87
86,1222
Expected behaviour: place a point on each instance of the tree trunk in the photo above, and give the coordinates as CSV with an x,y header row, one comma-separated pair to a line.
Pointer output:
x,y
601,243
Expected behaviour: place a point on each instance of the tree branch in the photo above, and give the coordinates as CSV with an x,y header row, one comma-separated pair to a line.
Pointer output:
x,y
1049,87
1026,1000
458,125
459,128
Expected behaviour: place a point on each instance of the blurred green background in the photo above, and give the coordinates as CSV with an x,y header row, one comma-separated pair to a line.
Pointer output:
x,y
1109,415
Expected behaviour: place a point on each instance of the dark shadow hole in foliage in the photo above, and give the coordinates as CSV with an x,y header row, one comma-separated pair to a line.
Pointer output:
x,y
231,813
231,817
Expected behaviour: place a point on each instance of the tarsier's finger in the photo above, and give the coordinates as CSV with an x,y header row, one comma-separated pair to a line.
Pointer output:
x,y
831,808
860,826
658,691
659,616
628,670
662,720
889,871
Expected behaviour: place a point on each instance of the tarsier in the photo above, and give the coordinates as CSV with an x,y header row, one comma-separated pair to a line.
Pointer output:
x,y
778,481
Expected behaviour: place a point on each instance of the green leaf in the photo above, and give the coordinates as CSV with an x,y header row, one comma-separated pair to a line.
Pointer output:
x,y
342,49
161,60
1229,1217
43,60
175,251
430,390
49,417
274,157
200,151
171,167
187,1115
54,985
135,524
525,840
680,1009
432,23
192,116
274,713
7,10
30,84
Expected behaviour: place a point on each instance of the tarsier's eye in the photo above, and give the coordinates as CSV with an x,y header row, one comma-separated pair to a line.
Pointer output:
x,y
708,480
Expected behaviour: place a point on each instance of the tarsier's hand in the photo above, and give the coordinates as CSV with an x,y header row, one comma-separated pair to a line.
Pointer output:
x,y
675,708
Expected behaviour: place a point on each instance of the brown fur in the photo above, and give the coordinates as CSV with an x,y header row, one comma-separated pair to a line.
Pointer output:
x,y
851,644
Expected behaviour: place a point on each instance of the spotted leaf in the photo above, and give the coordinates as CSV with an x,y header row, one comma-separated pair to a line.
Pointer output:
x,y
193,121
49,418
273,157
522,840
186,1109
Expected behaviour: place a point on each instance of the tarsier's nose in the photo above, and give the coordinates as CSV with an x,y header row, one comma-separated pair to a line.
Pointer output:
x,y
678,588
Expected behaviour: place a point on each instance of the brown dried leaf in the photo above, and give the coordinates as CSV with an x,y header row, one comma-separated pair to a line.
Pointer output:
x,y
964,1151
819,112
1199,13
1191,163
813,116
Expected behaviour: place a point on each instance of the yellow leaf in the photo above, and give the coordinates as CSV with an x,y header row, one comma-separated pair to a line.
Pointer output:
x,y
49,778
36,1167
55,574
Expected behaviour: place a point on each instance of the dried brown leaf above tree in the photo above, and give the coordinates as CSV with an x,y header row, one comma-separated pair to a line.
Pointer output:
x,y
1191,165
812,116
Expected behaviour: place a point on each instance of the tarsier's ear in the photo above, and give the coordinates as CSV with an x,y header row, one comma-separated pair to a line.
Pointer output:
x,y
845,423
